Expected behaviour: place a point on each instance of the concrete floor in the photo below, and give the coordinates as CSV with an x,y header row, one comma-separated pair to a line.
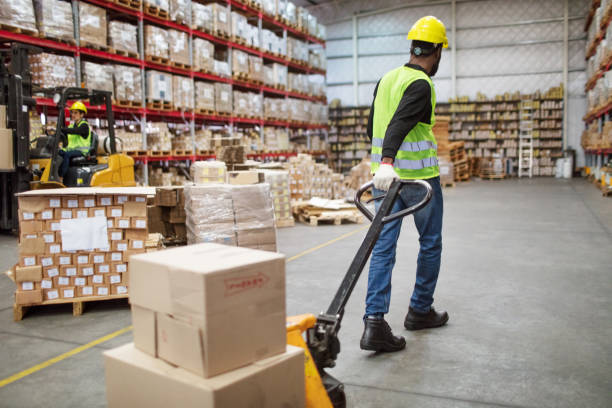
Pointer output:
x,y
526,277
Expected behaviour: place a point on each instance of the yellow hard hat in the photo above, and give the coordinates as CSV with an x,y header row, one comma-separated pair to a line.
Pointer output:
x,y
78,105
429,29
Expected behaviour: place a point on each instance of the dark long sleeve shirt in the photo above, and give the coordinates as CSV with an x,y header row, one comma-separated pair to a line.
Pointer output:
x,y
81,130
414,107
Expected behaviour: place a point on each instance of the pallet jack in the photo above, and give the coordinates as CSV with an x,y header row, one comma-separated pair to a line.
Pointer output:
x,y
322,345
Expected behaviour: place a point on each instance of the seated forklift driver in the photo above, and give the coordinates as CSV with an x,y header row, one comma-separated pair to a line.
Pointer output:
x,y
78,134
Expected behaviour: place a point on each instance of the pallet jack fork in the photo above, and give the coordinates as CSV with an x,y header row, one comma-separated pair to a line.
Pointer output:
x,y
322,344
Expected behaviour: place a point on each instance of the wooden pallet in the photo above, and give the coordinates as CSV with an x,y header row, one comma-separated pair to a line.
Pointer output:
x,y
180,65
491,176
447,184
125,53
157,60
18,30
159,153
205,152
238,40
221,34
159,105
181,152
284,223
124,103
78,304
335,217
135,5
136,153
207,112
99,47
155,12
279,87
47,36
203,29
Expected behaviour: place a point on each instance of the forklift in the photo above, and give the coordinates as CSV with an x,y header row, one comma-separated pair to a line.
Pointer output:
x,y
322,345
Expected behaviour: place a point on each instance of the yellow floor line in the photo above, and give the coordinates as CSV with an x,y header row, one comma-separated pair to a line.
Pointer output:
x,y
38,367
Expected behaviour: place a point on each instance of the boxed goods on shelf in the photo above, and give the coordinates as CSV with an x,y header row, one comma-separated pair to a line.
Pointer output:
x,y
123,36
204,96
297,49
159,137
240,64
159,86
281,196
275,75
308,178
182,92
201,17
221,68
269,7
179,47
241,104
273,43
97,76
18,14
51,70
180,11
256,73
252,36
127,83
239,27
223,98
291,13
203,53
156,42
275,108
221,23
317,59
255,104
54,19
276,139
202,139
205,172
92,25
161,5
130,140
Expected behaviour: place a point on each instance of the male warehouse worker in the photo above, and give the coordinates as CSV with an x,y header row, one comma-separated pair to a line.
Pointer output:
x,y
404,147
78,135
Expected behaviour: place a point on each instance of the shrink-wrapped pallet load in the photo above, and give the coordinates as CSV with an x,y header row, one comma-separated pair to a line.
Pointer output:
x,y
92,25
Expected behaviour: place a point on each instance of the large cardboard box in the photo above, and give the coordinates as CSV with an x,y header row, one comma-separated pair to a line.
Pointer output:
x,y
6,150
135,379
216,295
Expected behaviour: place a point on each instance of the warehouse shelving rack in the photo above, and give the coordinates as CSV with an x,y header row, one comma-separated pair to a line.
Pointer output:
x,y
351,138
191,118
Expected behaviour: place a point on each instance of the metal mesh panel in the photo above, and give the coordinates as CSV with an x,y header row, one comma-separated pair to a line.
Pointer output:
x,y
342,47
395,43
479,13
340,70
468,38
401,20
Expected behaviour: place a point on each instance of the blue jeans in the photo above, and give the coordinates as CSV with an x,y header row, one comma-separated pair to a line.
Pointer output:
x,y
428,221
67,155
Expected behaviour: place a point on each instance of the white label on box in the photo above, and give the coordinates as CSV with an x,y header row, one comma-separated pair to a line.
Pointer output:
x,y
98,279
90,202
224,96
122,199
82,259
80,281
205,53
88,271
82,214
208,93
73,203
121,268
106,201
444,170
121,290
55,249
27,285
62,280
68,293
87,290
102,291
29,261
31,236
47,215
71,271
222,16
104,269
116,256
116,236
64,260
66,214
52,294
46,284
109,223
138,244
47,261
115,279
99,212
98,259
55,226
122,247
28,216
55,203
124,223
116,212
140,199
84,234
52,272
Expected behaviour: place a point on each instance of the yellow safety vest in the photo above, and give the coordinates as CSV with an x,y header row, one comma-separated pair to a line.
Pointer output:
x,y
77,142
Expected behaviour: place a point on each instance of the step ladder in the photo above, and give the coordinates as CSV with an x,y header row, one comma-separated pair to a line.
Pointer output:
x,y
525,153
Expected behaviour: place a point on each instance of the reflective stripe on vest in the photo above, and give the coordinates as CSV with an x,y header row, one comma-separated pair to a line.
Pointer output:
x,y
410,146
409,164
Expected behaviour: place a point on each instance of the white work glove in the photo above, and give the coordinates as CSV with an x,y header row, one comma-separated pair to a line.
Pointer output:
x,y
385,176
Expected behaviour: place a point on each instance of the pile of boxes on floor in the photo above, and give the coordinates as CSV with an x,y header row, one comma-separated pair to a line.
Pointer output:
x,y
209,330
77,242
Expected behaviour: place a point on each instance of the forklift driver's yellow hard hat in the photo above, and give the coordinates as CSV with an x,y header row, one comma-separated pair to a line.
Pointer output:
x,y
78,105
429,29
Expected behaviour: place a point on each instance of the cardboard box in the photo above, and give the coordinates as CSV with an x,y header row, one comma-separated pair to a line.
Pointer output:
x,y
223,289
102,268
61,281
115,235
87,201
121,199
136,244
101,290
37,204
63,214
114,211
28,273
78,281
139,223
104,200
119,289
97,212
48,237
97,258
125,223
144,329
52,225
245,177
155,222
68,292
95,280
83,291
46,260
50,271
259,236
53,248
135,379
134,209
174,215
50,294
114,257
26,215
28,285
7,161
119,245
136,234
68,270
70,202
46,214
31,227
166,196
63,259
28,297
27,260
81,259
32,246
46,284
86,270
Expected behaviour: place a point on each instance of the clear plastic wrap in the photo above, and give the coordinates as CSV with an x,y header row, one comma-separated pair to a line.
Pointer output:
x,y
276,139
158,136
240,63
273,43
312,25
92,25
179,46
54,19
255,105
317,58
278,180
180,11
269,7
123,36
252,33
127,83
239,26
202,139
241,103
156,41
316,85
204,96
223,97
254,215
159,86
19,14
297,50
202,17
291,13
302,18
203,53
182,92
275,108
51,70
160,4
221,68
97,76
221,20
256,68
206,172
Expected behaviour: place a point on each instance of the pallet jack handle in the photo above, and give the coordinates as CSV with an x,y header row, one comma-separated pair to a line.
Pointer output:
x,y
400,214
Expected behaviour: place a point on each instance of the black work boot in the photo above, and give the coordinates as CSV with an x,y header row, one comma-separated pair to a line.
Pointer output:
x,y
377,336
416,320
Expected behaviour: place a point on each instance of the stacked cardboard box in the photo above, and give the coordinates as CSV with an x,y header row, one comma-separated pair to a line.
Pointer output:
x,y
202,139
92,25
254,215
281,196
223,98
130,140
178,42
156,42
77,242
201,17
98,76
221,20
256,72
203,55
275,75
206,172
127,83
239,27
359,175
180,11
159,86
51,70
275,108
205,96
276,139
186,354
182,92
310,179
123,36
167,214
6,142
162,5
54,19
19,14
158,136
